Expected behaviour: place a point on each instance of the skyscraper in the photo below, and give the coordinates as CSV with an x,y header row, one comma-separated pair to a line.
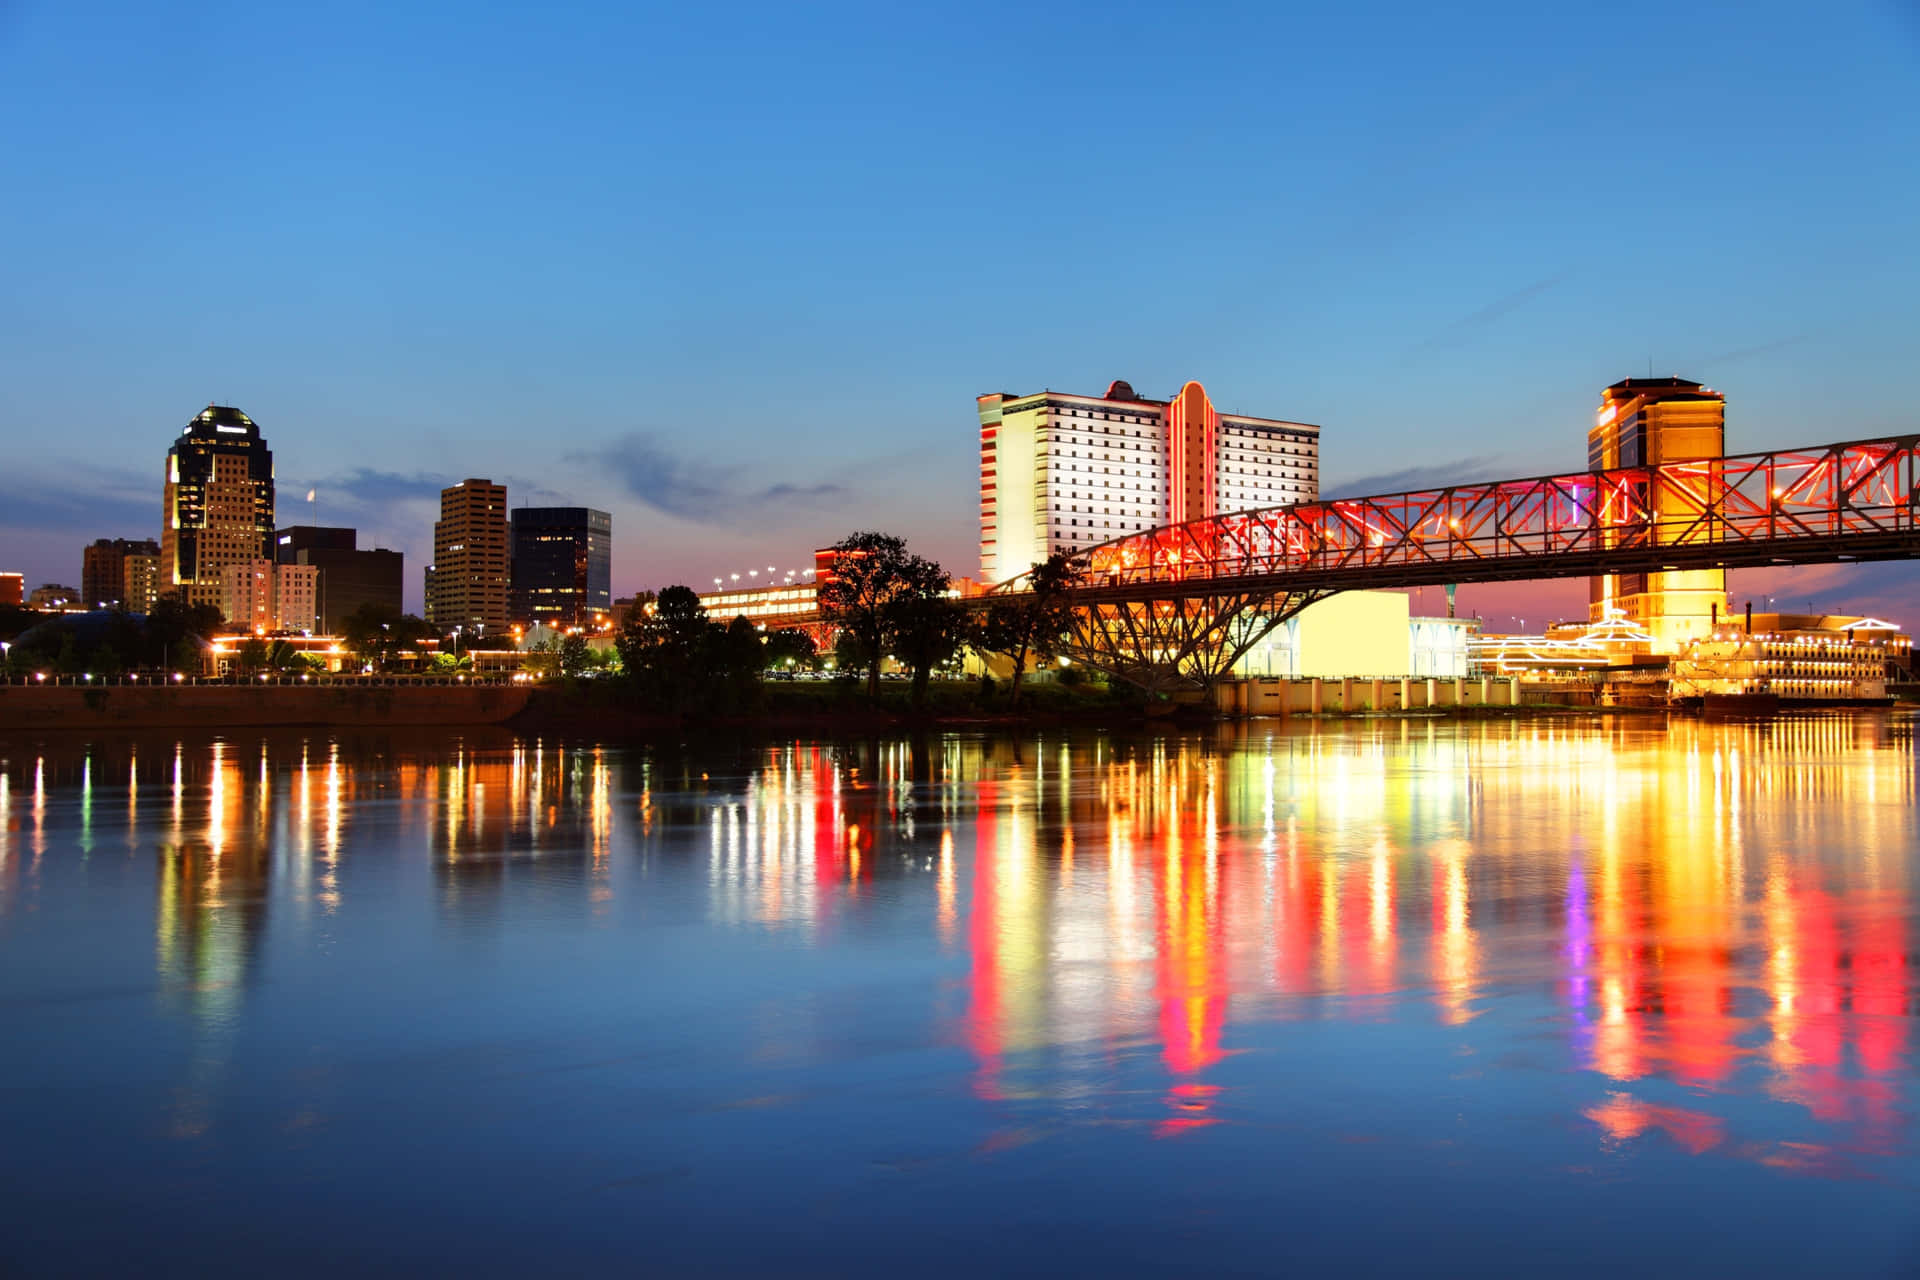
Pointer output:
x,y
1644,422
103,567
562,565
1064,472
218,503
467,581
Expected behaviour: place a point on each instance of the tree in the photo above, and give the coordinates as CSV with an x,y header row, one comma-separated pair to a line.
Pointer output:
x,y
876,591
376,633
789,648
927,632
174,627
664,647
575,657
1031,624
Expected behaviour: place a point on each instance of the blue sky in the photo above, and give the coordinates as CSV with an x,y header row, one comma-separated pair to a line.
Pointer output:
x,y
736,272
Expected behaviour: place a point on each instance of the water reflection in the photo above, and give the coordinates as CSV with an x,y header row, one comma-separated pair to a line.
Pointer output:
x,y
1689,912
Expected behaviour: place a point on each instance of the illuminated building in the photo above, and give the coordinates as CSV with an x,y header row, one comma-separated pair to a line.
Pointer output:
x,y
1360,633
264,596
1065,472
13,588
774,600
1795,657
218,505
1646,422
350,578
103,566
562,566
467,581
140,580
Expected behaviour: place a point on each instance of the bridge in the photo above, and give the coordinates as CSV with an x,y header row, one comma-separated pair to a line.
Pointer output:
x,y
1179,605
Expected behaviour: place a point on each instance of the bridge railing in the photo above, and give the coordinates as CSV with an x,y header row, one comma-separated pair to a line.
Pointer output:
x,y
1856,489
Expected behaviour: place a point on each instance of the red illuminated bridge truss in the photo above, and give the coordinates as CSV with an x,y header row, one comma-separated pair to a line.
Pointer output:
x,y
1180,604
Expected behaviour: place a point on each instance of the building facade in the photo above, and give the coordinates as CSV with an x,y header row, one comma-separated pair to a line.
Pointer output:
x,y
54,595
1062,472
1360,633
467,583
562,571
349,578
218,503
1645,422
140,581
103,571
263,596
13,588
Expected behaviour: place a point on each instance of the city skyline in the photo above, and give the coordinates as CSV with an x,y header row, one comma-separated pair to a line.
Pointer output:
x,y
1438,244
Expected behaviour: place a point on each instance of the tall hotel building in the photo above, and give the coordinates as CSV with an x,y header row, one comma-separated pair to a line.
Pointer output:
x,y
1644,422
218,504
1064,472
467,581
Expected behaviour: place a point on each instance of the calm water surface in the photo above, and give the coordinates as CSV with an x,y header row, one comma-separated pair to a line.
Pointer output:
x,y
1396,997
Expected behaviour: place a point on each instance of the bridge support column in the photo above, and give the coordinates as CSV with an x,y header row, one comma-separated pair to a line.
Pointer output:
x,y
1346,695
1459,692
1513,691
1433,692
1319,695
1486,691
1406,694
1377,695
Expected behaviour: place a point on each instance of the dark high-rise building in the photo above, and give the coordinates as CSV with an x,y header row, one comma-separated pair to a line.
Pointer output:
x,y
349,578
562,565
103,569
218,504
467,581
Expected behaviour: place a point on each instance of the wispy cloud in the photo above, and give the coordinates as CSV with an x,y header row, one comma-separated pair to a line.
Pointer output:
x,y
366,485
1469,326
90,504
1414,479
693,490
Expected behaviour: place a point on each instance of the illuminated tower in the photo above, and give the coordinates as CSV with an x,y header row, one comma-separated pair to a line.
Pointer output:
x,y
1062,472
1645,422
218,504
467,581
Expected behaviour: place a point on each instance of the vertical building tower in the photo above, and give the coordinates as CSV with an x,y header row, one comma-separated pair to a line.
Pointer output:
x,y
562,566
103,571
467,581
218,503
1645,422
1063,472
140,580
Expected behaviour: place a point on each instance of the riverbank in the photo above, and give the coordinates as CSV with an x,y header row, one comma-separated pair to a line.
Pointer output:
x,y
241,706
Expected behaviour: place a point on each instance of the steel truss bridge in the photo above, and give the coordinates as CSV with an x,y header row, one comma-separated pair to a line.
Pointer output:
x,y
1179,605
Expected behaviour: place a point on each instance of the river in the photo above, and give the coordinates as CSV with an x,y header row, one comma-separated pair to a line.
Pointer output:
x,y
1584,995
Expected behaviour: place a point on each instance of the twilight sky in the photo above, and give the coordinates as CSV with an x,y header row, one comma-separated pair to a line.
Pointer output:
x,y
736,271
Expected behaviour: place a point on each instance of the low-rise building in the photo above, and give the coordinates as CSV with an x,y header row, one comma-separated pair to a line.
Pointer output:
x,y
1360,633
261,596
1794,657
51,595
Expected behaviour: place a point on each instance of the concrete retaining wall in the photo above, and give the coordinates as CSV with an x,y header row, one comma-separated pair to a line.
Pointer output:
x,y
240,706
1262,696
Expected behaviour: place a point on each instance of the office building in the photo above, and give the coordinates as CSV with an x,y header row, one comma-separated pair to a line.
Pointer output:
x,y
13,588
1062,472
468,580
349,578
1646,422
140,580
562,570
103,566
218,504
262,596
